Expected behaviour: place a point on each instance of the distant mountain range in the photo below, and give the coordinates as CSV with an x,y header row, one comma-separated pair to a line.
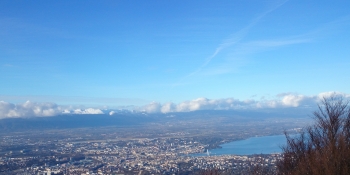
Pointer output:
x,y
129,119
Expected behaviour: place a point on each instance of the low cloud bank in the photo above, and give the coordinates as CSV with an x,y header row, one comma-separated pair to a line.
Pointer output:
x,y
28,109
88,111
286,100
32,109
280,101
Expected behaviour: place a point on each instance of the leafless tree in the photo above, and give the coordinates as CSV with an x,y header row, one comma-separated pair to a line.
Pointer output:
x,y
323,148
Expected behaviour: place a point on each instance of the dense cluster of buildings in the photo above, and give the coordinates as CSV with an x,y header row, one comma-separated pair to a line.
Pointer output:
x,y
138,156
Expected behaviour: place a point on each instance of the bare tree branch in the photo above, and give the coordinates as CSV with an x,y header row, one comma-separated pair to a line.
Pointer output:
x,y
323,148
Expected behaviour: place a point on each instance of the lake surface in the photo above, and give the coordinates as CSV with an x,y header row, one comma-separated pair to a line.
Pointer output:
x,y
253,145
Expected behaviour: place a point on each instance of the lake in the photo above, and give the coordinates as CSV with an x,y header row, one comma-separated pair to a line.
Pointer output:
x,y
253,145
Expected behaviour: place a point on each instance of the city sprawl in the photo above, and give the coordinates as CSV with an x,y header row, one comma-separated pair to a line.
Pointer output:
x,y
151,148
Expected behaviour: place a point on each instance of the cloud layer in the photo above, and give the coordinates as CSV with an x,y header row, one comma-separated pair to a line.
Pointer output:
x,y
286,100
32,109
28,109
280,101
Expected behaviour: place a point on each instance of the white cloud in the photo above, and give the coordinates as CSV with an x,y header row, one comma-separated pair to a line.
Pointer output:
x,y
328,94
28,109
197,104
167,107
152,107
66,111
286,100
292,100
280,101
87,111
32,109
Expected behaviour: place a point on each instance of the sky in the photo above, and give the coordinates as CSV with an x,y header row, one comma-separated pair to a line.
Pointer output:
x,y
122,54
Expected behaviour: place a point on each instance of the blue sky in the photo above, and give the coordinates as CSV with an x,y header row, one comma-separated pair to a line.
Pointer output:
x,y
120,53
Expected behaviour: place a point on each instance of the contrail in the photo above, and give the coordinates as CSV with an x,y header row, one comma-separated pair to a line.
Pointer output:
x,y
233,39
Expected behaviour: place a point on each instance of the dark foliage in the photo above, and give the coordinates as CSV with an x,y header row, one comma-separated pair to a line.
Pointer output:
x,y
323,148
210,172
260,169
